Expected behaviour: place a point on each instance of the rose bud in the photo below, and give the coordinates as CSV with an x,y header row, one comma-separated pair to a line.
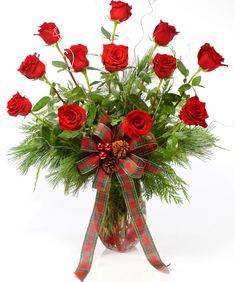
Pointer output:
x,y
32,67
49,32
115,57
194,112
19,105
71,117
137,123
164,65
208,58
164,33
120,11
77,57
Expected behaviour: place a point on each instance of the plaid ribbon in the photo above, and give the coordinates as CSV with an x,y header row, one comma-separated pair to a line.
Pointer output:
x,y
133,166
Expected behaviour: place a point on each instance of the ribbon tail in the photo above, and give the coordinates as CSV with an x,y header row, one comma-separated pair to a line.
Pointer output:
x,y
132,203
102,184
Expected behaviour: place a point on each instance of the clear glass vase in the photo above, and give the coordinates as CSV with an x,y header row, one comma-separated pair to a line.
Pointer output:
x,y
117,231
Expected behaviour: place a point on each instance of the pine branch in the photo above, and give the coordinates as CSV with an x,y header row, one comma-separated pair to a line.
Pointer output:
x,y
167,185
43,149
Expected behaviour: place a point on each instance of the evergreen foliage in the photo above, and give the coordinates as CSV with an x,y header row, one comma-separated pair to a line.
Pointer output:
x,y
46,146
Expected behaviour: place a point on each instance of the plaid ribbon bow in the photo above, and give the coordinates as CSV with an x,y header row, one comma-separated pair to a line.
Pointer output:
x,y
133,166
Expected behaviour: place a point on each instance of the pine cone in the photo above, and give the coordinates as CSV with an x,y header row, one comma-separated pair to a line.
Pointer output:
x,y
110,165
120,149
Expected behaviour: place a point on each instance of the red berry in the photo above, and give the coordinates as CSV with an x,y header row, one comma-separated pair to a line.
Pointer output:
x,y
100,146
103,155
107,146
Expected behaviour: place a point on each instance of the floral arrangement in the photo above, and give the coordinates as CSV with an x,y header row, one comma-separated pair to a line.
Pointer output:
x,y
123,132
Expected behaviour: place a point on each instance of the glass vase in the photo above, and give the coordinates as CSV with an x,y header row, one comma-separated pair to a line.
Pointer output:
x,y
117,231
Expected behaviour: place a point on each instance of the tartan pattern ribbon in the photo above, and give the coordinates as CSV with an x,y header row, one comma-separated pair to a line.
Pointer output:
x,y
133,166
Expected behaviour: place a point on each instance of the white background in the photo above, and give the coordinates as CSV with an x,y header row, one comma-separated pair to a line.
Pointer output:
x,y
41,233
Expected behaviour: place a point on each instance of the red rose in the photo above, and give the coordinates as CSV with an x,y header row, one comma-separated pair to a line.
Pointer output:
x,y
71,117
164,65
208,58
120,11
137,123
32,67
49,32
194,112
115,57
19,105
164,33
77,57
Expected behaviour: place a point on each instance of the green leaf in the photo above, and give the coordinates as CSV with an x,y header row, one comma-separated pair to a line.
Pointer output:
x,y
92,68
62,88
56,130
54,100
151,93
96,98
101,84
172,144
138,102
69,134
106,101
51,115
76,94
168,109
41,103
94,83
59,64
79,93
142,63
196,81
171,97
91,114
184,87
116,121
145,76
52,89
182,68
106,33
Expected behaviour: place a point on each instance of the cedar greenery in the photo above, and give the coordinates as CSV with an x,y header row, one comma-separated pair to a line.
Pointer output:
x,y
47,146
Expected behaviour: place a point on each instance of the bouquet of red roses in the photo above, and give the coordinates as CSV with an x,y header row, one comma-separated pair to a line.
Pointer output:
x,y
124,132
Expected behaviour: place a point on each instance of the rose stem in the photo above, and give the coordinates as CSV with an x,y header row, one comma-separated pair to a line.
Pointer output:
x,y
44,78
154,102
84,72
197,72
151,55
66,62
40,119
149,61
182,94
114,30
